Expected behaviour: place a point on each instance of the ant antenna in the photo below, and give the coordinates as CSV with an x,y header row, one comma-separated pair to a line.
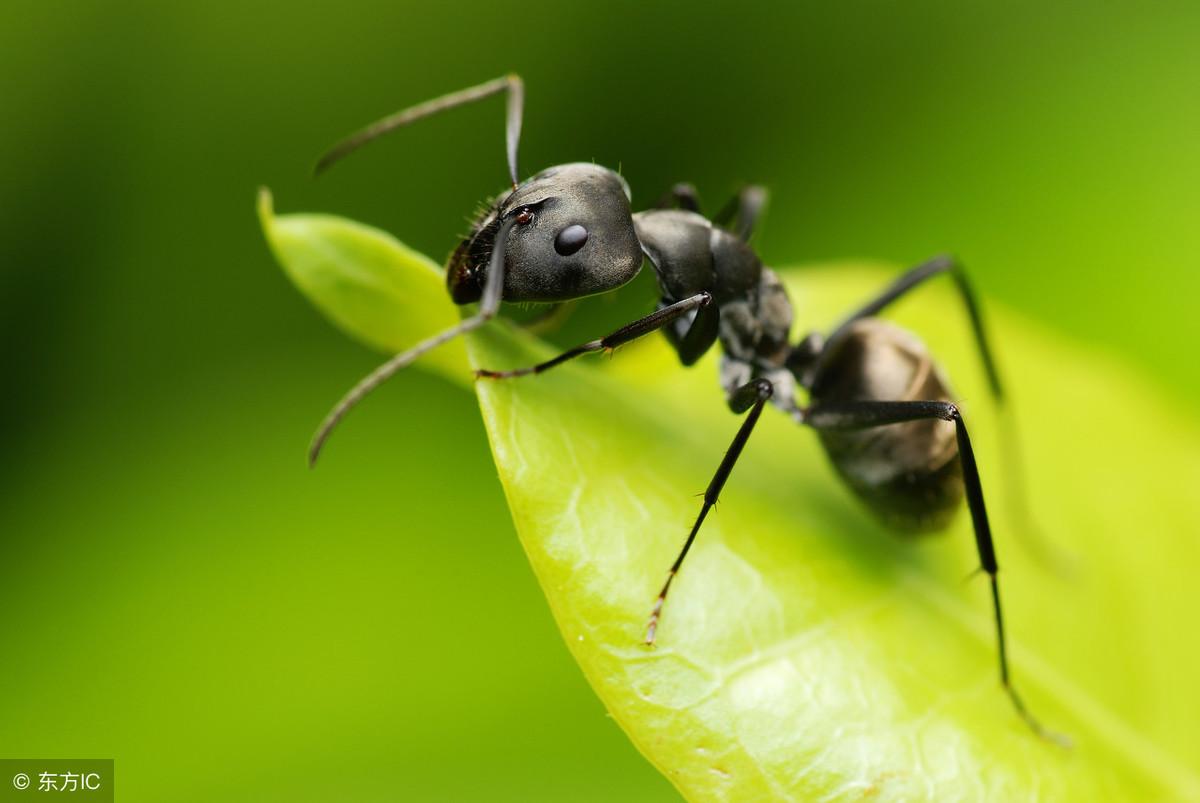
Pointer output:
x,y
510,83
493,286
488,307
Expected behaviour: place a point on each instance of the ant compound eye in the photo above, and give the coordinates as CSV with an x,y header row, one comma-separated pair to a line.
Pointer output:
x,y
570,240
524,217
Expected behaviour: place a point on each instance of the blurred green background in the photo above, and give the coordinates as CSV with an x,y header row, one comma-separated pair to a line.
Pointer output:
x,y
179,593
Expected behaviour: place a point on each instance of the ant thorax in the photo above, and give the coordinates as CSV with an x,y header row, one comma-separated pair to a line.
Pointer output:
x,y
754,315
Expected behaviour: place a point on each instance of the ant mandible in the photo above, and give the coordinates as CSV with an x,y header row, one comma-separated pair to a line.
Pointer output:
x,y
876,399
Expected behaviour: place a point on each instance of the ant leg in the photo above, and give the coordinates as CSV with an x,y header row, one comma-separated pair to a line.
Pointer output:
x,y
642,326
681,196
869,414
511,84
741,212
751,396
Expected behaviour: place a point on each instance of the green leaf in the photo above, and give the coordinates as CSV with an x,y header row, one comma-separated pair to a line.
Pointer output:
x,y
372,286
806,652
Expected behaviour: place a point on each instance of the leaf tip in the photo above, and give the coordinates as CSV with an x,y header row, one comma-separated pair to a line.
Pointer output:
x,y
266,206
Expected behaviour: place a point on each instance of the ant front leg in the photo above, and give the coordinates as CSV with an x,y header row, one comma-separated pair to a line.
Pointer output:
x,y
869,414
643,326
751,396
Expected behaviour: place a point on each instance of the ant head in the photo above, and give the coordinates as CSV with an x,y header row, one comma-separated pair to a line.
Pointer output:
x,y
572,236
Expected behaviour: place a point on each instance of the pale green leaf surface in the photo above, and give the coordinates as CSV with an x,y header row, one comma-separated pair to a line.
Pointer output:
x,y
807,653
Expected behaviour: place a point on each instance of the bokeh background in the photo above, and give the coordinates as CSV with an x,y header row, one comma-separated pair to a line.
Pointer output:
x,y
179,593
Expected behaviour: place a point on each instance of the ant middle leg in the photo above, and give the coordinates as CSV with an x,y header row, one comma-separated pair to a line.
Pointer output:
x,y
752,396
854,415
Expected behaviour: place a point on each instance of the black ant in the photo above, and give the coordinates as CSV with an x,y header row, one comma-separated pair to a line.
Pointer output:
x,y
876,399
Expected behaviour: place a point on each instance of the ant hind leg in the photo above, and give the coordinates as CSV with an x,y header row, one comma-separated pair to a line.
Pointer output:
x,y
869,414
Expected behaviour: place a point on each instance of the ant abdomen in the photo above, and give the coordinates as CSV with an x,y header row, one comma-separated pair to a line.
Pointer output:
x,y
909,474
